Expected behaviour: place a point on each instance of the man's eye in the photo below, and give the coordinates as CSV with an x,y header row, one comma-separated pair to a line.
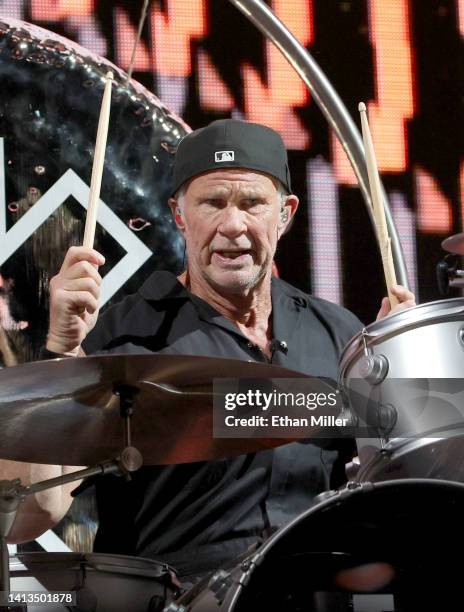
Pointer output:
x,y
213,202
254,203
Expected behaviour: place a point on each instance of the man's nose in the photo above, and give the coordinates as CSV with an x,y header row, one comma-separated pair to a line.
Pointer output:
x,y
232,222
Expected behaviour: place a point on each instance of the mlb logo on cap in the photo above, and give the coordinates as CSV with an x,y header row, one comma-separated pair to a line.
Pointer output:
x,y
224,156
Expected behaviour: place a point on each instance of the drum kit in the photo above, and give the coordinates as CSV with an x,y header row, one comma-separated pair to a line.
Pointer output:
x,y
372,545
381,542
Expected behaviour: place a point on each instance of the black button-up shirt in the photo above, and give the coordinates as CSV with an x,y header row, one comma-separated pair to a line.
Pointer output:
x,y
199,515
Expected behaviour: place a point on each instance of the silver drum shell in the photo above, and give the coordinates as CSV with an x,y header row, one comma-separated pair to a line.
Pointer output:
x,y
420,382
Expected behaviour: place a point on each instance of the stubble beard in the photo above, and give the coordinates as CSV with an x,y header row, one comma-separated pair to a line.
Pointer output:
x,y
241,285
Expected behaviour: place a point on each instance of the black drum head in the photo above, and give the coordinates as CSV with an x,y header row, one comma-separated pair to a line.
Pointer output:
x,y
378,548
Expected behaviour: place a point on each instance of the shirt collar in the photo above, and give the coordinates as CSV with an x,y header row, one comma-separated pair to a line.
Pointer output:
x,y
286,300
163,285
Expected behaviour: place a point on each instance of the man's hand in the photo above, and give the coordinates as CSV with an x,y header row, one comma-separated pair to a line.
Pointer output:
x,y
405,298
74,300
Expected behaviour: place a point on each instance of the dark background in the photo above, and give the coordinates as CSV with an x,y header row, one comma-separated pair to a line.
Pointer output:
x,y
341,44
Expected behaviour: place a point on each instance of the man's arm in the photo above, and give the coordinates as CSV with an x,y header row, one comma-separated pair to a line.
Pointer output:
x,y
74,304
41,511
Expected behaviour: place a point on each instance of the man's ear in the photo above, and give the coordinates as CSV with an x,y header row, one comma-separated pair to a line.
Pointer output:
x,y
286,213
177,214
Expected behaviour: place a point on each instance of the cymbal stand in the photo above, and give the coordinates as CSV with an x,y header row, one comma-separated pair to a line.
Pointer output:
x,y
12,492
130,455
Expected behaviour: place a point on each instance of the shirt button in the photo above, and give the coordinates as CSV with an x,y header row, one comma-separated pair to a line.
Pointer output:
x,y
249,345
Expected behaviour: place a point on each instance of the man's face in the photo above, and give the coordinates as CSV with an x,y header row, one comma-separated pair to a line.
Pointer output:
x,y
230,221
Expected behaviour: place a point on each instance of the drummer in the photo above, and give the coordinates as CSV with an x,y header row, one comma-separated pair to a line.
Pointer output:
x,y
232,201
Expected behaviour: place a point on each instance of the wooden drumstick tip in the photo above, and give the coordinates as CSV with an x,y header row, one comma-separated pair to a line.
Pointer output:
x,y
362,107
109,75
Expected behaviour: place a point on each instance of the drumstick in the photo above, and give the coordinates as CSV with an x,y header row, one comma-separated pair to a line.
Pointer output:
x,y
98,162
9,358
378,209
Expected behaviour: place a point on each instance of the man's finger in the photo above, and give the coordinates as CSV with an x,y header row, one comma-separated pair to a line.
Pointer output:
x,y
83,284
403,294
384,308
76,254
83,300
405,305
83,269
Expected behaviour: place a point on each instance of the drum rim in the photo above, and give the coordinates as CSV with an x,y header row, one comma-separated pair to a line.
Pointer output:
x,y
389,326
241,574
397,448
110,563
249,565
352,488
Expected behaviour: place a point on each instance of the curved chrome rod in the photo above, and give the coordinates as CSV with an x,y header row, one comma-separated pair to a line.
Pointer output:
x,y
331,106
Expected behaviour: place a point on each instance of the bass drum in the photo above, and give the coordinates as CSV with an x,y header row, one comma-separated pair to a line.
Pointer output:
x,y
367,548
102,583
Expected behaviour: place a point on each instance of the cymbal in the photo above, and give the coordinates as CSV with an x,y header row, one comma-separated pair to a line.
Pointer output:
x,y
64,411
454,244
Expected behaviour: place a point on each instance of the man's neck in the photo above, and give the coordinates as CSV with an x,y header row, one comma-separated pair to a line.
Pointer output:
x,y
249,311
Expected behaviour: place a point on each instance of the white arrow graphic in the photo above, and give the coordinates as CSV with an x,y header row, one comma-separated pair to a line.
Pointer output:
x,y
70,184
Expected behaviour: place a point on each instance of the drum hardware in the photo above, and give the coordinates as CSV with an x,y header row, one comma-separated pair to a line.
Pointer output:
x,y
454,244
352,419
461,335
102,582
78,403
79,400
12,492
220,583
448,271
387,417
448,274
352,486
352,468
85,597
348,488
131,458
380,418
354,550
416,408
374,368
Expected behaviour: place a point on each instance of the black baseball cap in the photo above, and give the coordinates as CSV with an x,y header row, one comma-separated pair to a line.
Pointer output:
x,y
231,143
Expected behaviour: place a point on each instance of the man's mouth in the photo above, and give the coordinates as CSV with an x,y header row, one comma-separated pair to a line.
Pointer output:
x,y
235,256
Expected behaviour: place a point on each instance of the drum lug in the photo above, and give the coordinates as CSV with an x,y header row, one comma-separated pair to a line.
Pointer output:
x,y
352,468
374,368
219,584
461,335
354,486
248,566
